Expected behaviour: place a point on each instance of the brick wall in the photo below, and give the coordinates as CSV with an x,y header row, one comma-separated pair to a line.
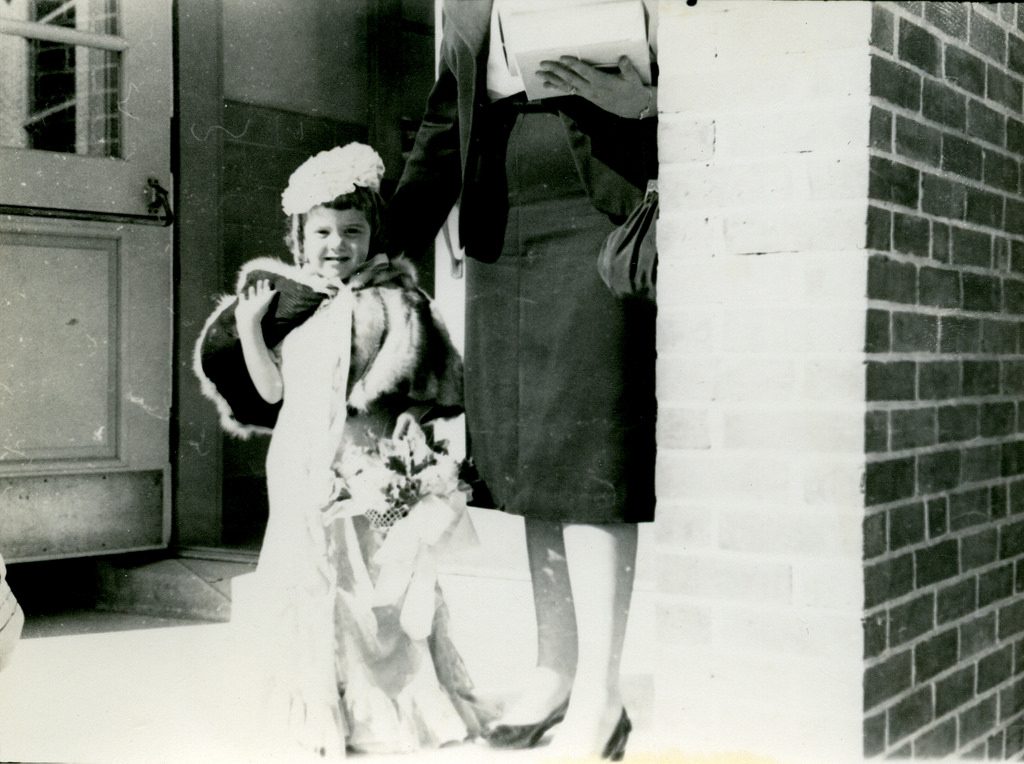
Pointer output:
x,y
944,534
762,283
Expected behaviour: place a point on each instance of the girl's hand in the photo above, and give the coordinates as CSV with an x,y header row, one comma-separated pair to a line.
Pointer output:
x,y
253,302
622,93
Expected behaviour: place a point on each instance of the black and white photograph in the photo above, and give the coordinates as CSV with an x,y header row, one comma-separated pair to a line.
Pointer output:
x,y
511,380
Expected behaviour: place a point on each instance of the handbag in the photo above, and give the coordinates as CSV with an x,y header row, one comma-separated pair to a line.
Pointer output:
x,y
12,619
628,261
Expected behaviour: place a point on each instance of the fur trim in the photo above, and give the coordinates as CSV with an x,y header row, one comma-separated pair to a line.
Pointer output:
x,y
226,416
209,390
400,345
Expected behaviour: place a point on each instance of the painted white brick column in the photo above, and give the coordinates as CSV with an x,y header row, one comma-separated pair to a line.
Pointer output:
x,y
762,303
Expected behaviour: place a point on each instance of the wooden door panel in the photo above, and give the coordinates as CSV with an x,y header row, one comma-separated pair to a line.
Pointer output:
x,y
85,390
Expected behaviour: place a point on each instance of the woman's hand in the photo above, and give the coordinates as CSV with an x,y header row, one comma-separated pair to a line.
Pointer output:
x,y
622,93
254,302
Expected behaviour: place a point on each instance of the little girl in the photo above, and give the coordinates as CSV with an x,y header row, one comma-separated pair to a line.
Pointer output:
x,y
342,349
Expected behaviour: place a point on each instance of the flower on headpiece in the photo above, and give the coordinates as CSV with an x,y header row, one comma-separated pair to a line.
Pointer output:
x,y
330,174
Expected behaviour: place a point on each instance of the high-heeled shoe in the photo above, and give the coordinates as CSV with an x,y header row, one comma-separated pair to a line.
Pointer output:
x,y
615,748
524,735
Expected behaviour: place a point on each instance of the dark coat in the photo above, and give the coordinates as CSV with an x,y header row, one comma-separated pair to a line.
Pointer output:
x,y
459,153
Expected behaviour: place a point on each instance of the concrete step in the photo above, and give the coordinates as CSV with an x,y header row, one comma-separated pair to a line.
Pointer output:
x,y
169,588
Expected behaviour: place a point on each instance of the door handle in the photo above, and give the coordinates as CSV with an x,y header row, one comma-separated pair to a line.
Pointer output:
x,y
159,201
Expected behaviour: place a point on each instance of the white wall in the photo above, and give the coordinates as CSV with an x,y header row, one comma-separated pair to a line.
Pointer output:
x,y
762,298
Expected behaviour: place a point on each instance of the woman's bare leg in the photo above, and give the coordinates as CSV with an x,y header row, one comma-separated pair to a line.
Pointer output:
x,y
548,684
601,561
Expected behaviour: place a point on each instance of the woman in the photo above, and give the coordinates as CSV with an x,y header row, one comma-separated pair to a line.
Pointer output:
x,y
560,400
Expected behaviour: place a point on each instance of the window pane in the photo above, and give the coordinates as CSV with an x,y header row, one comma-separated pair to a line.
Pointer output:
x,y
55,95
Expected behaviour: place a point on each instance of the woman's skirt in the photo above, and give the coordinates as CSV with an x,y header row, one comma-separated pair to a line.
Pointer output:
x,y
560,399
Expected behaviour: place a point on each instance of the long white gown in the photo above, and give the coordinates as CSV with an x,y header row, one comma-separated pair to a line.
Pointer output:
x,y
332,671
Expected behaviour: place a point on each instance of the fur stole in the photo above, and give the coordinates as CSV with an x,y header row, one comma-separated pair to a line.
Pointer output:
x,y
401,353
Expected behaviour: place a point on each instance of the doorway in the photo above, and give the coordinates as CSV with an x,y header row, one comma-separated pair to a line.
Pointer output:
x,y
86,261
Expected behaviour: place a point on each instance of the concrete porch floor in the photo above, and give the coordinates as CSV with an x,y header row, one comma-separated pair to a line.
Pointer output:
x,y
107,687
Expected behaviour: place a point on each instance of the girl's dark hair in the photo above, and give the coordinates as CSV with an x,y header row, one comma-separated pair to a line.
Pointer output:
x,y
366,200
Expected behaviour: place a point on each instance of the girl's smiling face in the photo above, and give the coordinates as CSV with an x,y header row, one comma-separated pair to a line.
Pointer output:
x,y
335,242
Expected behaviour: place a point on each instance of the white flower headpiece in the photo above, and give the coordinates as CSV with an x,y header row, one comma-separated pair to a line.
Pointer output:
x,y
330,174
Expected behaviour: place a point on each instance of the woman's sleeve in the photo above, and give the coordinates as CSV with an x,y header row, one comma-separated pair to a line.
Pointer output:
x,y
432,177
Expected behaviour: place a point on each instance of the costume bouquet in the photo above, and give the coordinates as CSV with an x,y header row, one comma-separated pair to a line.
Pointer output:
x,y
343,629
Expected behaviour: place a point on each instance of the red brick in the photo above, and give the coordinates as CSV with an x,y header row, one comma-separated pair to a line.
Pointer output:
x,y
1013,458
1011,619
1001,171
979,463
937,520
882,29
914,332
880,133
1013,296
977,720
937,742
911,619
940,242
874,735
1015,135
935,655
892,182
944,105
954,691
910,234
889,480
885,679
971,247
987,37
936,563
939,287
965,70
896,84
951,18
984,208
906,526
982,293
875,629
1014,216
890,381
1015,57
1011,700
960,422
887,580
918,47
877,338
959,335
997,418
995,585
1004,89
891,280
879,229
979,549
942,197
968,508
875,534
957,600
1013,377
977,635
985,123
1011,540
910,714
999,336
962,156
